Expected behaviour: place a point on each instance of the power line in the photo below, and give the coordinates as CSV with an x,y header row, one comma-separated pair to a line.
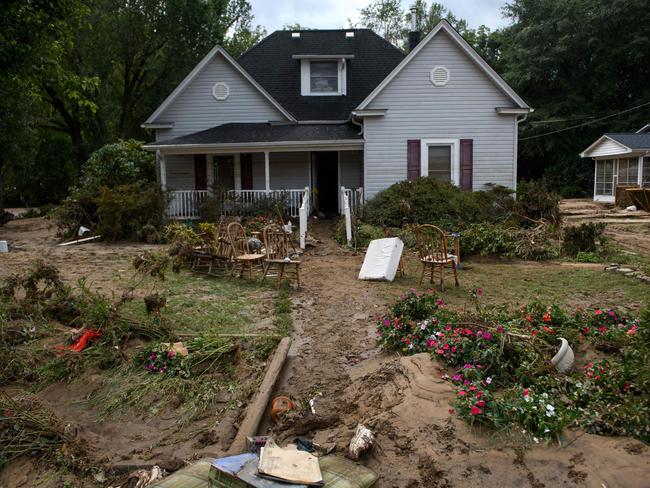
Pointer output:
x,y
585,123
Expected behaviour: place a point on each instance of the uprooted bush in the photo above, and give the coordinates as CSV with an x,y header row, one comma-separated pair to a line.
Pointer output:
x,y
427,200
117,195
499,363
583,238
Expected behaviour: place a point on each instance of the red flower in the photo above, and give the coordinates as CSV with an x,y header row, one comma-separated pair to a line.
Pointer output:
x,y
451,410
472,388
598,311
525,391
481,403
476,410
479,394
462,393
603,329
546,317
499,328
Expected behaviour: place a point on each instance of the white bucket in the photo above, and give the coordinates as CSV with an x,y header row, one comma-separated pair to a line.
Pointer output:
x,y
563,360
4,247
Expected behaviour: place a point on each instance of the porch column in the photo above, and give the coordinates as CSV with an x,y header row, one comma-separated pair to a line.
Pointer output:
x,y
209,170
237,171
162,170
267,172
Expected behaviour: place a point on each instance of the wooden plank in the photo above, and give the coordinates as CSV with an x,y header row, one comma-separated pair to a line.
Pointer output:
x,y
256,409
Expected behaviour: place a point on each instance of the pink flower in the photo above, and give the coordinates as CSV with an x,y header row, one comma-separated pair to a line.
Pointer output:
x,y
525,392
440,351
153,355
632,330
598,311
462,393
476,410
480,403
171,354
488,380
499,329
457,377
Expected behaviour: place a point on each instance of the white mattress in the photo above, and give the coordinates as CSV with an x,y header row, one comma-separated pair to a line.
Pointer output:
x,y
382,259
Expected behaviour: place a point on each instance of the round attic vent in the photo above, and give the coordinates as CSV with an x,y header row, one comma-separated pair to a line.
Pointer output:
x,y
220,90
439,76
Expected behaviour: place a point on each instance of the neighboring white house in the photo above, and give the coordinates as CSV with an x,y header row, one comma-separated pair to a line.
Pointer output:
x,y
621,159
316,110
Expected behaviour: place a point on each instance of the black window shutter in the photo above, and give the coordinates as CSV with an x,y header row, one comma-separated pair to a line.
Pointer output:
x,y
413,159
466,163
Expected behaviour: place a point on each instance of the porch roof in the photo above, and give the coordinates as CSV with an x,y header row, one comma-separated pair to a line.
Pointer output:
x,y
632,140
263,134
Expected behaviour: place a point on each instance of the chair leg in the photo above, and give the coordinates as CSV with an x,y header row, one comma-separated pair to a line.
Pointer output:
x,y
453,267
442,277
266,270
424,266
280,275
298,275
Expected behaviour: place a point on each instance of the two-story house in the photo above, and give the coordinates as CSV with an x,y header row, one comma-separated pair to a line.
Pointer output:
x,y
317,110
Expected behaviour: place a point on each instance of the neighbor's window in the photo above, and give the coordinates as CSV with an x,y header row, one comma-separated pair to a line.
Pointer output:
x,y
324,76
605,177
440,163
628,171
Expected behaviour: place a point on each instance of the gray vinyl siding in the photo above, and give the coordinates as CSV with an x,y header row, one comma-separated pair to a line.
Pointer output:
x,y
462,109
195,109
289,170
351,165
180,171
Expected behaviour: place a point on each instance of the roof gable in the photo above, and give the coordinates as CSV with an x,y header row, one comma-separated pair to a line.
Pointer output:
x,y
605,146
275,65
198,69
444,26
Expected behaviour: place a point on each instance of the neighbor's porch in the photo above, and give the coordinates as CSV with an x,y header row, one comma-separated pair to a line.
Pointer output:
x,y
612,172
246,179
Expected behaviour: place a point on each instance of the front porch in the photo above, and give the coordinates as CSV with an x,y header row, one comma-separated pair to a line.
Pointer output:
x,y
245,181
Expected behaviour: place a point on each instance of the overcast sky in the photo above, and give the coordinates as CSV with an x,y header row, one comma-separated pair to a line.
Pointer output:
x,y
334,14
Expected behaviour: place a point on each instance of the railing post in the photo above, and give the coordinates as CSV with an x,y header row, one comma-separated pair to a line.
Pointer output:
x,y
267,171
348,219
342,200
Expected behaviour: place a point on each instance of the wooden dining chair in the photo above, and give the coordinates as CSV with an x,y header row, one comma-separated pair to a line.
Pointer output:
x,y
204,253
434,255
241,253
279,253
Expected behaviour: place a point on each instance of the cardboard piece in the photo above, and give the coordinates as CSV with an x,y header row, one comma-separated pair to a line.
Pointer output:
x,y
290,465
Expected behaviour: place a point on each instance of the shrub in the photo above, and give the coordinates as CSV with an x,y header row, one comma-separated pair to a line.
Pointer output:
x,y
424,201
583,238
506,240
117,195
535,202
129,211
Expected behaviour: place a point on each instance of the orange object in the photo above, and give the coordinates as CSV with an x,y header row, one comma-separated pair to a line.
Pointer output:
x,y
280,405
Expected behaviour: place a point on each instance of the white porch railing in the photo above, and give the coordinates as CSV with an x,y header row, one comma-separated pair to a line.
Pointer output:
x,y
244,202
355,198
304,217
184,204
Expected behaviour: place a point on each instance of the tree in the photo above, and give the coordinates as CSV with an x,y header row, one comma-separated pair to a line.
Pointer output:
x,y
575,62
386,18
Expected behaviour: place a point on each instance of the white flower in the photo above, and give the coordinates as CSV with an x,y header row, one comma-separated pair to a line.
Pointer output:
x,y
527,398
550,408
544,395
536,440
488,380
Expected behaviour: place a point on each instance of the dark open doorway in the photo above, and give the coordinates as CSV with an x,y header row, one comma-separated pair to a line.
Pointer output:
x,y
327,179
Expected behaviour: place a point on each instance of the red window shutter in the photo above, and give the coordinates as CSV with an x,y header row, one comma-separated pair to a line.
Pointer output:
x,y
200,173
466,163
413,159
246,171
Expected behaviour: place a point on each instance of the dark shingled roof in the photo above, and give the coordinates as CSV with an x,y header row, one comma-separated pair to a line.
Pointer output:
x,y
271,64
632,140
266,132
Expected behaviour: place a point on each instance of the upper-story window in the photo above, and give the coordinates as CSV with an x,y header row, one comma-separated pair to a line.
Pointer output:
x,y
322,77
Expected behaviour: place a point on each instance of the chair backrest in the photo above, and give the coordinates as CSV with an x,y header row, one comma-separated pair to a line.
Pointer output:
x,y
237,239
432,242
276,242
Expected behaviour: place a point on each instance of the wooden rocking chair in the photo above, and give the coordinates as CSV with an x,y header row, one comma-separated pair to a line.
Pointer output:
x,y
432,248
241,254
279,253
204,253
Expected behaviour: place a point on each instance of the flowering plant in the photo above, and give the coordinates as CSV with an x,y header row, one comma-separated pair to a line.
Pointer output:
x,y
474,402
609,326
535,412
159,359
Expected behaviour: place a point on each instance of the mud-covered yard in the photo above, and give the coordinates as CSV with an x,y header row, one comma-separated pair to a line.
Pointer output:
x,y
334,359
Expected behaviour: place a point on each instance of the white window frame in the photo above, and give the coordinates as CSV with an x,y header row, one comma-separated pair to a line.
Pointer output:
x,y
305,78
455,156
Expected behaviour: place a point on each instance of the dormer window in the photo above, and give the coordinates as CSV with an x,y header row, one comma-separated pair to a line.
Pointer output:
x,y
322,76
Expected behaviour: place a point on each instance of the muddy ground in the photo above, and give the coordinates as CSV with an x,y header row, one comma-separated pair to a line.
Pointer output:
x,y
334,359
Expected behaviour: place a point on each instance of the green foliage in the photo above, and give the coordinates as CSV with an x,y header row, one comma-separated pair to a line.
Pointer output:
x,y
424,200
118,196
123,211
117,164
588,257
582,238
536,202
